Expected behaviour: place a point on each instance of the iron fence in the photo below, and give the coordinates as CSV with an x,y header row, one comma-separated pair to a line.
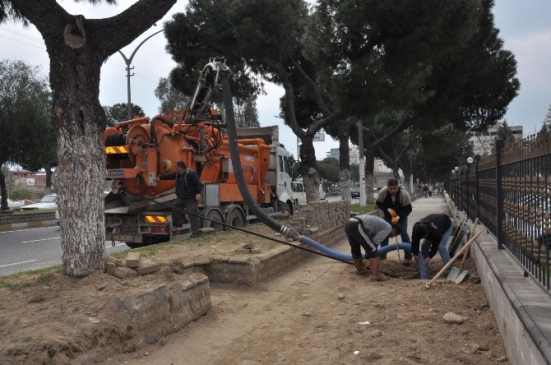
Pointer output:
x,y
510,193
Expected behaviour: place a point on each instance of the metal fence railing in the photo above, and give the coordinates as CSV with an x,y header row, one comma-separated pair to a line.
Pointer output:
x,y
510,193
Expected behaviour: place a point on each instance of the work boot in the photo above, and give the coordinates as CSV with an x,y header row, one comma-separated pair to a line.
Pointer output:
x,y
360,269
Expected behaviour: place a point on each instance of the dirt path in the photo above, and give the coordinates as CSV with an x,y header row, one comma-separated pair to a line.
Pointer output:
x,y
310,315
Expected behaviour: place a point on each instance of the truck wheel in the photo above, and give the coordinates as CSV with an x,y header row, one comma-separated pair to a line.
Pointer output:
x,y
290,208
214,219
134,244
285,208
235,219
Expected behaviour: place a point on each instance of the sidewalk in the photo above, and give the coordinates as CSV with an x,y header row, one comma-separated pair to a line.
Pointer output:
x,y
521,307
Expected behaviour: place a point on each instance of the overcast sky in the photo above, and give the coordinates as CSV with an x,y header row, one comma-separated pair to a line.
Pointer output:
x,y
525,28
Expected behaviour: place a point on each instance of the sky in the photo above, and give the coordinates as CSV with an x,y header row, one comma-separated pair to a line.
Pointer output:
x,y
525,28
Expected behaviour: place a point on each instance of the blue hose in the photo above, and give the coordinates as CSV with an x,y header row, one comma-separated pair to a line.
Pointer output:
x,y
406,246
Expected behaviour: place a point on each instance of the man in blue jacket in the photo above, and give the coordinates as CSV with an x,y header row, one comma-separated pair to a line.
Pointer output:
x,y
188,192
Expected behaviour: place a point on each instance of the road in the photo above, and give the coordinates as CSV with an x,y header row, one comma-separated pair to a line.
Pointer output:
x,y
35,248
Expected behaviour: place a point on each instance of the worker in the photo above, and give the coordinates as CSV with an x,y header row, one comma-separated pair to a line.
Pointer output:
x,y
435,231
188,193
368,231
395,202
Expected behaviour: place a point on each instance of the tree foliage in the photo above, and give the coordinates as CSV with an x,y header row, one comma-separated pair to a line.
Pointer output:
x,y
247,113
170,97
119,113
328,169
27,135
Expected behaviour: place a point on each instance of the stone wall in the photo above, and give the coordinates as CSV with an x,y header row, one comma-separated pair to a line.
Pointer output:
x,y
322,221
10,218
154,312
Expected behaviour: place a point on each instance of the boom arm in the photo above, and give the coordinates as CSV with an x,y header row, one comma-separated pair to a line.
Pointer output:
x,y
208,81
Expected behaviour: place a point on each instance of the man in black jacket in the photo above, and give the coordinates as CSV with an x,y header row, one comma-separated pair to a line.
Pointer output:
x,y
395,203
435,231
188,192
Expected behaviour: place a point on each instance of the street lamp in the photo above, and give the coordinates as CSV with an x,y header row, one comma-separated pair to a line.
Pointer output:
x,y
128,61
469,164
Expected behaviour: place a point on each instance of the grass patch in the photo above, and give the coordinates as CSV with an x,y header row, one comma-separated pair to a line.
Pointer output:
x,y
33,211
356,208
30,278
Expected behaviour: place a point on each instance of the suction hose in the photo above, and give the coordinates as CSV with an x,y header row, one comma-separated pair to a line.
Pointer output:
x,y
348,257
261,214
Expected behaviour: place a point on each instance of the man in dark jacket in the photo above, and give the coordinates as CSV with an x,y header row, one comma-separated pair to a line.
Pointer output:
x,y
188,192
435,231
395,203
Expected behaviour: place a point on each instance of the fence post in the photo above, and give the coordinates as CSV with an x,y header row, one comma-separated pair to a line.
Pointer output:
x,y
499,194
476,190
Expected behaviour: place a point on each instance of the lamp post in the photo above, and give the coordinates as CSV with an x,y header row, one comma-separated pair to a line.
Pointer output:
x,y
469,164
460,195
128,61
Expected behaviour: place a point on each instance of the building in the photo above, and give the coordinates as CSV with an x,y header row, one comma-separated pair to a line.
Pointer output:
x,y
33,181
379,165
483,142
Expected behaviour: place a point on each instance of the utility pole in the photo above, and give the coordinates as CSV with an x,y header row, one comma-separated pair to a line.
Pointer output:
x,y
128,62
362,163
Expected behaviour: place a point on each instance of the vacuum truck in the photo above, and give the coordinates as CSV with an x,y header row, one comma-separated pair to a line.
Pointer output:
x,y
138,208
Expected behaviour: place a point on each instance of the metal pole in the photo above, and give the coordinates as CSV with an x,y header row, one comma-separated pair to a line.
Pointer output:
x,y
361,163
128,62
467,186
476,185
499,193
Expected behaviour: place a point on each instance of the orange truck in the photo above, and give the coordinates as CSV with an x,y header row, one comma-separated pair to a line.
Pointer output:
x,y
137,210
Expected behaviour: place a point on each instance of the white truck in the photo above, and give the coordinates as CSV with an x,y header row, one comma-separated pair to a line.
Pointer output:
x,y
279,172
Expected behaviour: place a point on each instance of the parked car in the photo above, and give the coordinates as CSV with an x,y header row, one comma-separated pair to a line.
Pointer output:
x,y
47,202
15,204
355,193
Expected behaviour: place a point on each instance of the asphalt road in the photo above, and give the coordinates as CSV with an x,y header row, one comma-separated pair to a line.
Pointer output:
x,y
35,248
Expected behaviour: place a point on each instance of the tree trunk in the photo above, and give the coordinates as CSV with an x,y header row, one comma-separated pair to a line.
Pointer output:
x,y
3,191
369,175
308,169
80,175
344,159
48,188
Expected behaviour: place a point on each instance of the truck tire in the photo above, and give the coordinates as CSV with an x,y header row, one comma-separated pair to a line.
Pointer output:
x,y
235,219
285,208
213,216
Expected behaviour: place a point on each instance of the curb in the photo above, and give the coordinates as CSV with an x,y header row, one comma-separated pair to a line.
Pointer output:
x,y
27,225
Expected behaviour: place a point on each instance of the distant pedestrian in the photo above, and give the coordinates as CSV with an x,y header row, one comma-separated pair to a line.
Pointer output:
x,y
188,193
395,202
426,190
435,231
368,231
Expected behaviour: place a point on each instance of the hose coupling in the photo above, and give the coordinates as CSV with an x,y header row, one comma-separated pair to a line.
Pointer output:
x,y
288,232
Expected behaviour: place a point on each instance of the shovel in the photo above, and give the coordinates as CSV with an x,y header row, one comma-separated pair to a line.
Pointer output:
x,y
462,251
458,274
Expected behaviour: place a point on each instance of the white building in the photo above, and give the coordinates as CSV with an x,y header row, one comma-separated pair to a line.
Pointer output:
x,y
354,154
483,142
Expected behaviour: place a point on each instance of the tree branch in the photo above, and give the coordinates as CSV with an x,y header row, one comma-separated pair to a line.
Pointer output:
x,y
405,124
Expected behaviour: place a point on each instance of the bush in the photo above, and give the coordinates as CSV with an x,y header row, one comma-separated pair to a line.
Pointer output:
x,y
22,194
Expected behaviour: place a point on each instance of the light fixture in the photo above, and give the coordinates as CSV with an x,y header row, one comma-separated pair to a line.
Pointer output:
x,y
470,160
